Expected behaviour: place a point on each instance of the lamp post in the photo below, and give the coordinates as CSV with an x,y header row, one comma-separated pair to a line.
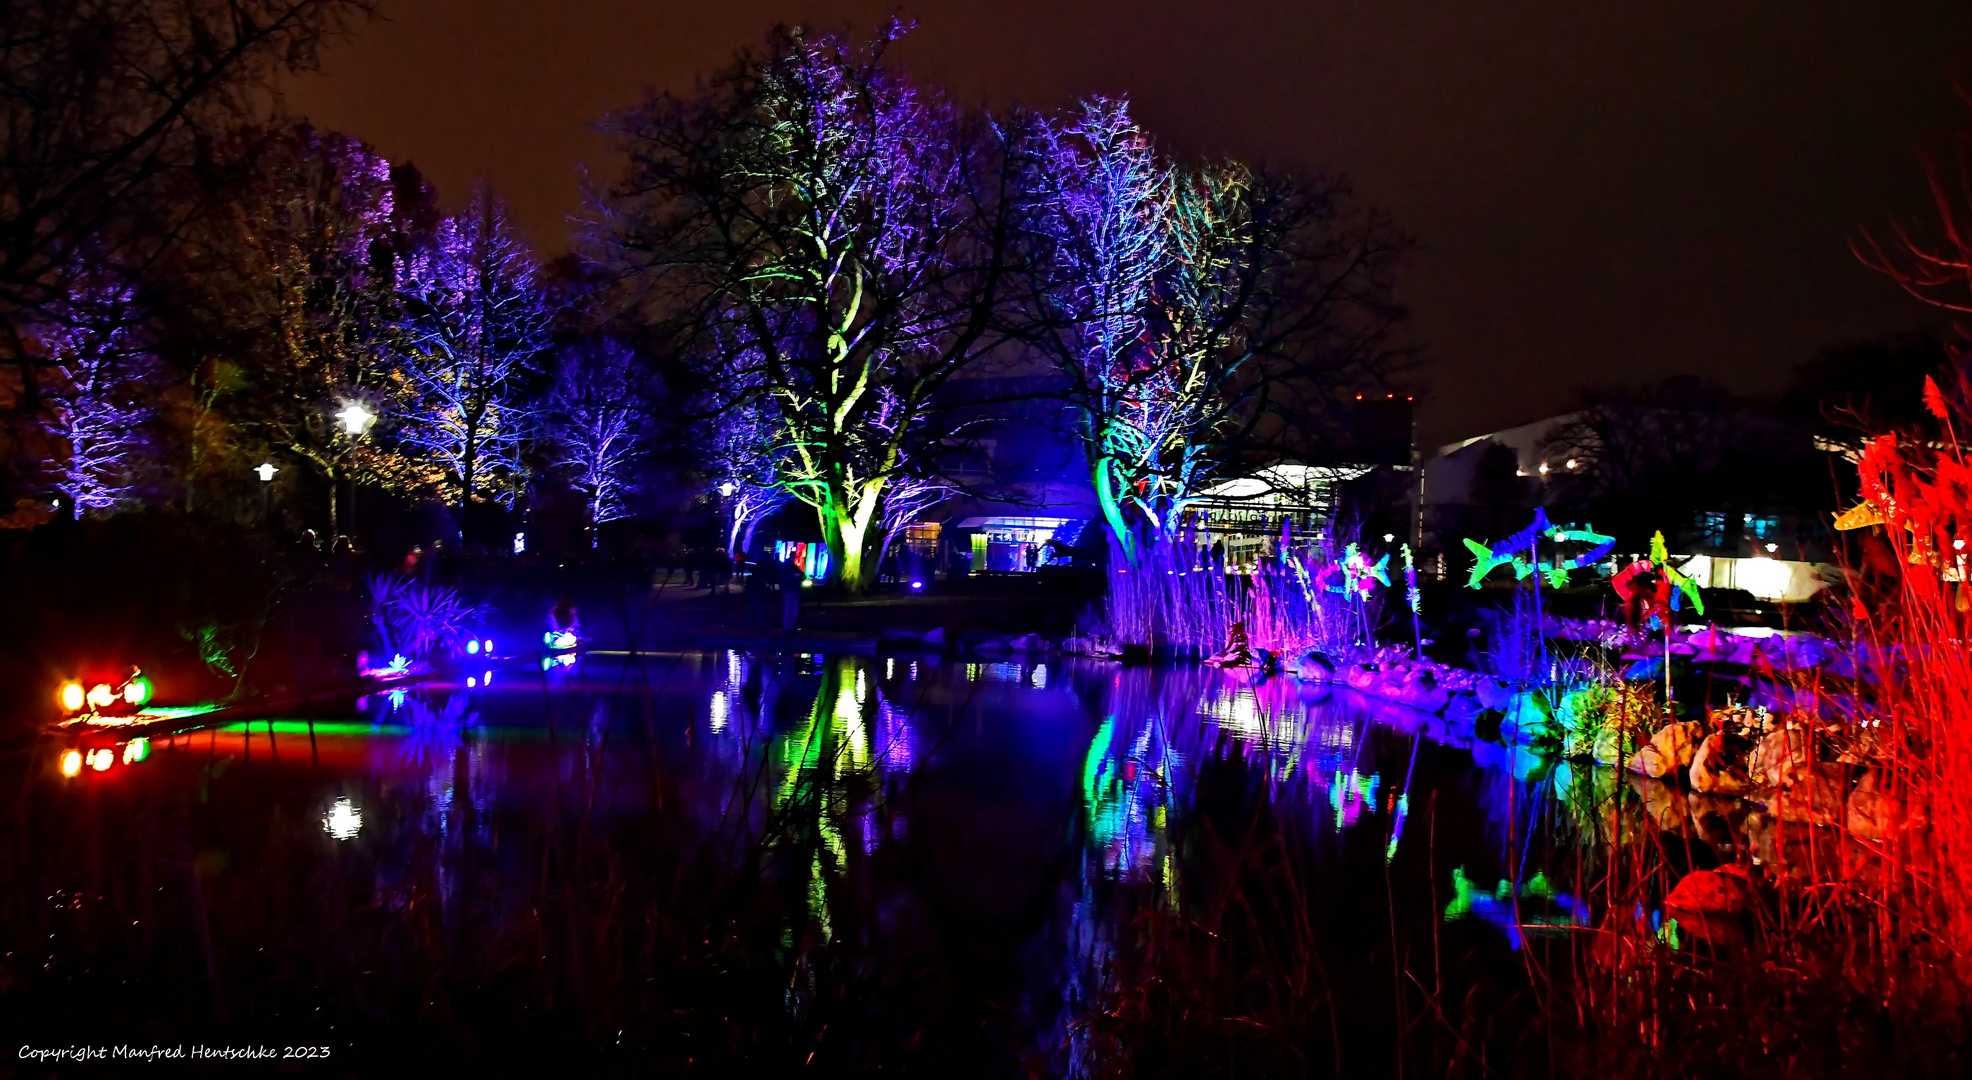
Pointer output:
x,y
266,470
355,418
726,489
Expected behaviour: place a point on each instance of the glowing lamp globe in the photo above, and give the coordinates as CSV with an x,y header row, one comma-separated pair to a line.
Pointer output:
x,y
356,418
71,763
72,697
101,760
265,470
100,695
726,489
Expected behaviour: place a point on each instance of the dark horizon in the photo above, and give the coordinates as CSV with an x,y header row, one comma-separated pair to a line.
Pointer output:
x,y
1603,198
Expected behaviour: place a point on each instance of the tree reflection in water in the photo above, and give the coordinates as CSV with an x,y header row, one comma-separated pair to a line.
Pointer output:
x,y
734,861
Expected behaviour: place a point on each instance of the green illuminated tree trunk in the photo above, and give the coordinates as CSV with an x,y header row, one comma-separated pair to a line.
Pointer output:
x,y
1110,500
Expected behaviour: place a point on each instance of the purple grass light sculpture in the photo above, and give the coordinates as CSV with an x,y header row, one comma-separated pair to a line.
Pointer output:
x,y
1180,598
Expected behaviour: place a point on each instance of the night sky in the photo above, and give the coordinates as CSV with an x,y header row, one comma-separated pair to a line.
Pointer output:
x,y
1608,191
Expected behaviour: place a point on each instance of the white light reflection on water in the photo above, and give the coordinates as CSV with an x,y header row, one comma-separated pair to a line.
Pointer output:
x,y
344,820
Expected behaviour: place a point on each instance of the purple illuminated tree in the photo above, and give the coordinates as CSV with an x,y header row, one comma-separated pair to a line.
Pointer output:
x,y
744,456
474,315
1207,316
907,500
1110,212
99,398
833,243
600,425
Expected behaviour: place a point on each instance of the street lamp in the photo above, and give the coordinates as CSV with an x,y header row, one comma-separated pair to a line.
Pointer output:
x,y
356,418
726,489
266,470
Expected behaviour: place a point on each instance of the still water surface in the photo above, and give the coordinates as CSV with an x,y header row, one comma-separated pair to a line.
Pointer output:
x,y
705,859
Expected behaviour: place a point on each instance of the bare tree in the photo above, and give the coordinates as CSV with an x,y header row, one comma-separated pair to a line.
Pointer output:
x,y
827,238
474,315
908,497
107,108
1637,461
1206,315
599,419
101,398
743,457
283,295
1109,211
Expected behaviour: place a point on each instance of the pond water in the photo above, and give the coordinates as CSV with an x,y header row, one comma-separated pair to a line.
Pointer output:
x,y
714,859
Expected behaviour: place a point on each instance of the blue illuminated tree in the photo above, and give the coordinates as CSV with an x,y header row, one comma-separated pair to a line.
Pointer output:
x,y
600,424
99,397
907,500
1109,213
474,316
1207,315
744,455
